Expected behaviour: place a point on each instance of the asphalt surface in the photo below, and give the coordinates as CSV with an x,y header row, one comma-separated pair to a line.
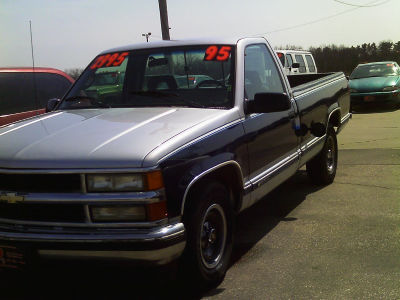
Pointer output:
x,y
302,241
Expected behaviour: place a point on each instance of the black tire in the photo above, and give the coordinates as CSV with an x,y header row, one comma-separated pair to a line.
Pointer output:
x,y
322,168
209,235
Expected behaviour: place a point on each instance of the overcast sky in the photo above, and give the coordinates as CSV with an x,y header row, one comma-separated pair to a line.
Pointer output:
x,y
69,33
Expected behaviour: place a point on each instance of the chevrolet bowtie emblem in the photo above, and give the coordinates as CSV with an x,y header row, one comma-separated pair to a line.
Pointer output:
x,y
11,197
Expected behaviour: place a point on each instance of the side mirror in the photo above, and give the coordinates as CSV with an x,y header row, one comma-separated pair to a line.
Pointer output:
x,y
295,65
268,102
51,104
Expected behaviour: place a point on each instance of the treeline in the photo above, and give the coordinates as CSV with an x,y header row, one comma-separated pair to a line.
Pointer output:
x,y
340,58
74,72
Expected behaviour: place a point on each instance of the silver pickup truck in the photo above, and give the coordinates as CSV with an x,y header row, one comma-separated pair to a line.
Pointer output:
x,y
154,166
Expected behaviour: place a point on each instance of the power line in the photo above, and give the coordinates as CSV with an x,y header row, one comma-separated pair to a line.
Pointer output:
x,y
370,4
360,6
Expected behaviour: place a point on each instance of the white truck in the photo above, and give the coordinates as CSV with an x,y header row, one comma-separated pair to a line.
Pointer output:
x,y
297,62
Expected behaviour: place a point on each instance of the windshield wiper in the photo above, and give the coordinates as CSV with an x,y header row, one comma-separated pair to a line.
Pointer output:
x,y
158,94
155,94
93,101
77,98
191,103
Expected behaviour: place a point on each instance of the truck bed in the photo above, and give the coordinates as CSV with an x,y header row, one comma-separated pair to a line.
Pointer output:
x,y
301,83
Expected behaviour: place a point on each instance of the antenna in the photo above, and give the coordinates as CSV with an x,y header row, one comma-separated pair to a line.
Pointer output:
x,y
33,69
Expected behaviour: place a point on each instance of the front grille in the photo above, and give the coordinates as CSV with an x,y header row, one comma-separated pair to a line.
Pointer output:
x,y
40,183
55,212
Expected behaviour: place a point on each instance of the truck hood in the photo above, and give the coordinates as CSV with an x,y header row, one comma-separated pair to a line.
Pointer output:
x,y
96,138
373,84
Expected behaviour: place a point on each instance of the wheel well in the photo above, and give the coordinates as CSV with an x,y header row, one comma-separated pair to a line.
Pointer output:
x,y
230,176
334,119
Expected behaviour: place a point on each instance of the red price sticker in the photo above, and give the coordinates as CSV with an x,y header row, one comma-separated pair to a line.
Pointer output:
x,y
109,60
219,53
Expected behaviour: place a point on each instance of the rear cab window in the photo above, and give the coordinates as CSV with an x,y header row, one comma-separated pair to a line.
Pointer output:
x,y
189,76
17,90
16,93
300,60
289,60
310,63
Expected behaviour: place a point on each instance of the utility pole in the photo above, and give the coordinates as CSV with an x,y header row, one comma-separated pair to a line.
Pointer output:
x,y
147,36
164,19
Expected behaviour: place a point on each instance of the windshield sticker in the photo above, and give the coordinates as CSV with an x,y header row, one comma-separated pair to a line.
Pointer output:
x,y
221,53
109,60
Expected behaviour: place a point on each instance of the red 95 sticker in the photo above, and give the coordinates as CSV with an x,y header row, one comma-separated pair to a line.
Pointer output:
x,y
219,53
109,60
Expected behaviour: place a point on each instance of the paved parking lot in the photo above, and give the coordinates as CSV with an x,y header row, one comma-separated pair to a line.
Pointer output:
x,y
336,242
300,242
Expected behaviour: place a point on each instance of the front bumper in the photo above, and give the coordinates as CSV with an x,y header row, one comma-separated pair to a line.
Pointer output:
x,y
154,246
364,99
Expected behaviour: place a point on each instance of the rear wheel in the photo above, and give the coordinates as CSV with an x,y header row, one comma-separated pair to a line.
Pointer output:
x,y
322,168
208,224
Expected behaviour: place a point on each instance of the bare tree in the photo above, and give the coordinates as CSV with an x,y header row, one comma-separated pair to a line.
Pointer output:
x,y
288,47
74,72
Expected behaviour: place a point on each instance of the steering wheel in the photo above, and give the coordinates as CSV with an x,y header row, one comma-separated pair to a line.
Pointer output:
x,y
209,81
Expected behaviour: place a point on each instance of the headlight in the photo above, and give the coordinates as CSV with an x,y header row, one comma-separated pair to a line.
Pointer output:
x,y
390,88
129,213
118,213
124,182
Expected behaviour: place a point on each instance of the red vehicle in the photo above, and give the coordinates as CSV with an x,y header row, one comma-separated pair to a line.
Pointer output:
x,y
24,92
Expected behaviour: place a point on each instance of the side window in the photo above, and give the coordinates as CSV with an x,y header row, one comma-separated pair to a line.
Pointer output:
x,y
50,86
260,72
310,63
16,93
289,60
300,60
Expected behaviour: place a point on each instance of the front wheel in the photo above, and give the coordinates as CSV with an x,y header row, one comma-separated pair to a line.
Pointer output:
x,y
208,222
322,168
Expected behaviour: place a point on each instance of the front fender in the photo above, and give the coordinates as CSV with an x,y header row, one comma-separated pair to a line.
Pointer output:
x,y
182,176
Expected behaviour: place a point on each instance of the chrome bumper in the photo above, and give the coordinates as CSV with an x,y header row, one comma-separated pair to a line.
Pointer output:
x,y
155,246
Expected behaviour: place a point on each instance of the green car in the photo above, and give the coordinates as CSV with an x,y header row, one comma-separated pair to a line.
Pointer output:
x,y
375,83
106,84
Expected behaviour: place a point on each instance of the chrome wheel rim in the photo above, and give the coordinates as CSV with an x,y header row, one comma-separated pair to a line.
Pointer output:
x,y
213,236
330,155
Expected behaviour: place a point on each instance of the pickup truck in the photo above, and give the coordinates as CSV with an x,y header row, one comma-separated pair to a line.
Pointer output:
x,y
156,172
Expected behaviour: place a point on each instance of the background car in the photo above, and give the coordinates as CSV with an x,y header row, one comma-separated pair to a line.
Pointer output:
x,y
375,83
106,84
24,93
191,81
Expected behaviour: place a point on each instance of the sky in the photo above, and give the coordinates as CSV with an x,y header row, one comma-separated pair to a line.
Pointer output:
x,y
70,33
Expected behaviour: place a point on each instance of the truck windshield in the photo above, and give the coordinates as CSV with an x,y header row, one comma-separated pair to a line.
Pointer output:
x,y
195,76
375,70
